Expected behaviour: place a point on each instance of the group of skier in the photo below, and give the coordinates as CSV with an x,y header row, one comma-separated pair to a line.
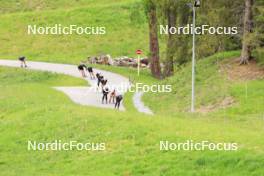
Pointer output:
x,y
101,83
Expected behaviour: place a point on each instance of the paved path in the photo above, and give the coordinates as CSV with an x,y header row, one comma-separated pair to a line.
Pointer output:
x,y
84,95
81,95
138,103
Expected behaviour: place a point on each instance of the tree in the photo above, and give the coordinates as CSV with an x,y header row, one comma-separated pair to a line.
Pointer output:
x,y
247,30
183,41
173,14
171,48
153,39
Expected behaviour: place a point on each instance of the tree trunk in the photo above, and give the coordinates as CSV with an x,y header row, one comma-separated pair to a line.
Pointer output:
x,y
154,43
183,41
169,63
248,28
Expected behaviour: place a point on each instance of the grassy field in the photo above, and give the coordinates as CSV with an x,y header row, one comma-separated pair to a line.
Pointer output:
x,y
36,112
123,35
13,6
212,88
30,109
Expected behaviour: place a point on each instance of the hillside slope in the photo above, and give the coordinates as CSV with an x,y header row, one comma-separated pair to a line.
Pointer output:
x,y
216,92
14,6
36,112
123,35
228,111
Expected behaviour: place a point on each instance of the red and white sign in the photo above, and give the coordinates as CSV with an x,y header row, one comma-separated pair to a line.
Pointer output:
x,y
139,52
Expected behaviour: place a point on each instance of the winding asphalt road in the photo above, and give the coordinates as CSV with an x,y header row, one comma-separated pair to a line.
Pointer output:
x,y
89,95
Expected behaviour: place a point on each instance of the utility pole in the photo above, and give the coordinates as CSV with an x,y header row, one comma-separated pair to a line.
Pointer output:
x,y
197,3
193,63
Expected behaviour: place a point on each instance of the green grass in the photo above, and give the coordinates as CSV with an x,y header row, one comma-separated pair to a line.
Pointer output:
x,y
18,76
30,109
212,87
38,112
123,37
40,5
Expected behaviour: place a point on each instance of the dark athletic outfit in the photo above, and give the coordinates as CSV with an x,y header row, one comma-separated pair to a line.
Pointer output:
x,y
103,82
90,69
82,67
99,79
105,95
97,75
22,58
119,98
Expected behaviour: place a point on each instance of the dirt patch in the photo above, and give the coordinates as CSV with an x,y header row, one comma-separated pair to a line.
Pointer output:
x,y
225,103
234,71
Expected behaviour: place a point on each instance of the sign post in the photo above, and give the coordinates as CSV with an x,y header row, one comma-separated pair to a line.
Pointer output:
x,y
138,52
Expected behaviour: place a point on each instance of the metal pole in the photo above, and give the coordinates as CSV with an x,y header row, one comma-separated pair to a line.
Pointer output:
x,y
138,64
193,64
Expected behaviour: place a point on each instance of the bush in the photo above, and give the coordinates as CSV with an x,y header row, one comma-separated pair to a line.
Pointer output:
x,y
259,55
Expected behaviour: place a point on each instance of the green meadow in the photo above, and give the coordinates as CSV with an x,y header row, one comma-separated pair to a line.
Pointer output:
x,y
31,109
123,36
